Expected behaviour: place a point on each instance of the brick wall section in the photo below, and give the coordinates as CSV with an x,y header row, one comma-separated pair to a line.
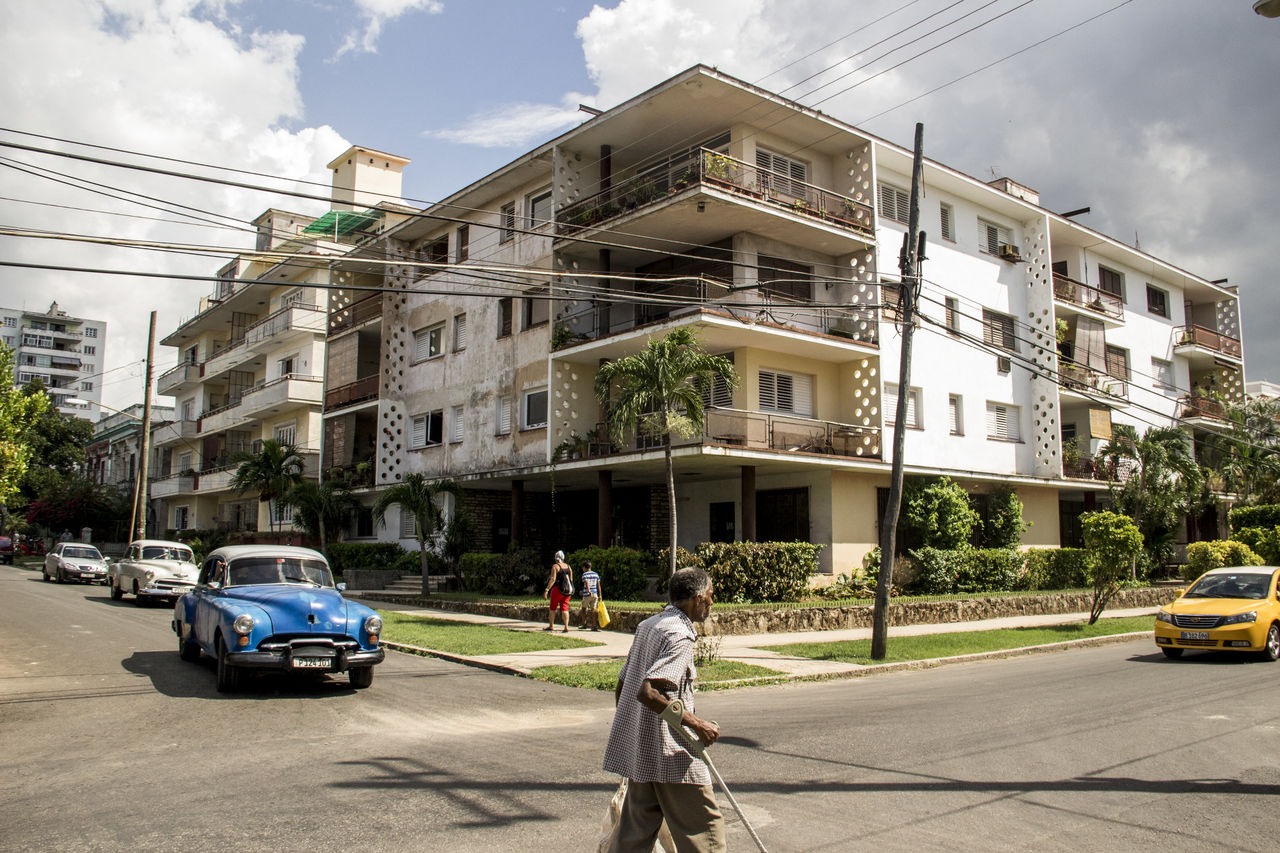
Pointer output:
x,y
765,621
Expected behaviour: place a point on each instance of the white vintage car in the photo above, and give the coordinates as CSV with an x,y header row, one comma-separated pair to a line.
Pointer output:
x,y
153,568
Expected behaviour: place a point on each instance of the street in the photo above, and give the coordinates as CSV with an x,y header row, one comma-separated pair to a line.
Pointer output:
x,y
110,742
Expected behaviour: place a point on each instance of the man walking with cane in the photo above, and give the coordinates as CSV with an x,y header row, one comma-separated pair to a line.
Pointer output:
x,y
664,781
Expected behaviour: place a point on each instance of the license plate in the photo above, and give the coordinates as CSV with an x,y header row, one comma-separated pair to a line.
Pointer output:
x,y
311,663
1195,635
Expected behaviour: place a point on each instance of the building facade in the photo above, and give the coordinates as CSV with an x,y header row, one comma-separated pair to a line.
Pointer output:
x,y
65,353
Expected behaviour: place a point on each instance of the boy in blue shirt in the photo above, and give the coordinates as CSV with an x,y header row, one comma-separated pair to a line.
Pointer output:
x,y
590,597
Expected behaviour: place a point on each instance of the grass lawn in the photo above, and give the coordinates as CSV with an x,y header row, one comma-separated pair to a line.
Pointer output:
x,y
930,646
603,675
469,638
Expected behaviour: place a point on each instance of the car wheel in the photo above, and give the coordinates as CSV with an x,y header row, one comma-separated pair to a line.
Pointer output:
x,y
188,651
1271,650
137,599
360,677
58,575
1171,654
228,674
45,572
116,592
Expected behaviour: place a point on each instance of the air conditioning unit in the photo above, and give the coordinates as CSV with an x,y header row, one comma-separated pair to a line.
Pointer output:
x,y
1009,252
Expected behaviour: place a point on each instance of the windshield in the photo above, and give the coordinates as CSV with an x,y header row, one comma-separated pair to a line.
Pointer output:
x,y
166,552
1243,585
84,552
261,570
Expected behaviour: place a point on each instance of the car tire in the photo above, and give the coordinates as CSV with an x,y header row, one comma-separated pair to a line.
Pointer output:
x,y
188,651
360,677
228,674
137,599
57,575
116,592
1171,654
1271,649
45,573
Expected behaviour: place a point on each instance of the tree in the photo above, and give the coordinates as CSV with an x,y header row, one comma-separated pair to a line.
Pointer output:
x,y
937,514
1158,483
1004,524
272,472
321,507
1113,543
658,392
418,496
19,414
1248,456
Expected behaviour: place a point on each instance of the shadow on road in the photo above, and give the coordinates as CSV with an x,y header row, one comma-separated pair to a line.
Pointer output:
x,y
1191,658
172,676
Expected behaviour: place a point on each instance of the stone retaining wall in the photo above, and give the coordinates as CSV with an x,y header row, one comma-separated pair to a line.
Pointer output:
x,y
369,578
767,621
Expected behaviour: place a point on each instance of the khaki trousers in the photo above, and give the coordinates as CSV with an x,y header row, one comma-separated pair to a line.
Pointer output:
x,y
690,811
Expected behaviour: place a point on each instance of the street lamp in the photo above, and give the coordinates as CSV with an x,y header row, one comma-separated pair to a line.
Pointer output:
x,y
1267,8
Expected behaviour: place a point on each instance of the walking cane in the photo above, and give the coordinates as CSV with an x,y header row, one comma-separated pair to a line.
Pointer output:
x,y
672,715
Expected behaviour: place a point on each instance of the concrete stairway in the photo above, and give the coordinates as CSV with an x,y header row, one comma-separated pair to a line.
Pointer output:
x,y
412,584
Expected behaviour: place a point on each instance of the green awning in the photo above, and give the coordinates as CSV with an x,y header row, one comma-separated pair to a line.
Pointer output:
x,y
338,223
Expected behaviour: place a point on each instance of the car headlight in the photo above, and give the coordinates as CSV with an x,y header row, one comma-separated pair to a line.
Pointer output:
x,y
243,624
1164,616
1251,616
151,576
373,626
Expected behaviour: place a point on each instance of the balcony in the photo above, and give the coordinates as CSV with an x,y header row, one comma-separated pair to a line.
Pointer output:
x,y
357,314
175,432
1077,380
1092,301
1205,410
1095,468
223,417
294,321
173,485
1204,347
354,392
173,380
704,170
293,389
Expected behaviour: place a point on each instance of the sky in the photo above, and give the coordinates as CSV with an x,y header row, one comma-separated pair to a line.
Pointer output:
x,y
1163,116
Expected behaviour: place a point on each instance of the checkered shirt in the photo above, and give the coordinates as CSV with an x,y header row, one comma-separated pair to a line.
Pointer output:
x,y
641,747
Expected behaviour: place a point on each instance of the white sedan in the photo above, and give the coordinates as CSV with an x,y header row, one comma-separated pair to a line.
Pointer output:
x,y
151,569
75,561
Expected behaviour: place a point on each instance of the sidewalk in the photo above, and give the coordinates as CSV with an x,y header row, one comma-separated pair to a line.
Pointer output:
x,y
747,648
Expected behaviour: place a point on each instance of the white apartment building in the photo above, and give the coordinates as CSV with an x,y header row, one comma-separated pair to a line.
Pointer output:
x,y
773,230
65,353
251,360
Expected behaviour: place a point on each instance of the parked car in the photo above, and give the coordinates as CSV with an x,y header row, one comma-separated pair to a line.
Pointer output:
x,y
275,607
6,550
153,569
1234,609
75,561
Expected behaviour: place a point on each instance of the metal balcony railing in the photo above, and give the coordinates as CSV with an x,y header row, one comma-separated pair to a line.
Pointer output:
x,y
354,392
1086,296
1205,338
1197,406
355,314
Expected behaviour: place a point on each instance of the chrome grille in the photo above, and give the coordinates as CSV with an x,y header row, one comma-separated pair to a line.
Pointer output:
x,y
1194,621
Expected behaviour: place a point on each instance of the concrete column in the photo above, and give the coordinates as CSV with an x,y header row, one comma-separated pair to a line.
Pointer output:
x,y
604,509
517,510
748,503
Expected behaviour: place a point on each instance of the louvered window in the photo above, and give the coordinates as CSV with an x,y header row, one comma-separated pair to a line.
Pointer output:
x,y
717,393
427,430
992,236
948,216
459,332
428,343
1110,281
1002,422
503,419
408,524
953,315
955,414
285,434
894,203
781,174
1117,362
508,220
891,405
455,426
1162,372
786,392
997,331
462,249
779,277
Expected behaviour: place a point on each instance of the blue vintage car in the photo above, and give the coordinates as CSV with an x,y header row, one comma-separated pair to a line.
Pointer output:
x,y
275,607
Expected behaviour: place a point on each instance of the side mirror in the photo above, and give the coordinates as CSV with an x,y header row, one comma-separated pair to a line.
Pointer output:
x,y
214,584
342,587
1179,592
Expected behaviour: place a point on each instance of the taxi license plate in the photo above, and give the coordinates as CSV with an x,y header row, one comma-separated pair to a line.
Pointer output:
x,y
1195,635
311,663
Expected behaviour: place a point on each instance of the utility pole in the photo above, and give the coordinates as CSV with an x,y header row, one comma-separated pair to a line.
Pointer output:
x,y
909,291
140,511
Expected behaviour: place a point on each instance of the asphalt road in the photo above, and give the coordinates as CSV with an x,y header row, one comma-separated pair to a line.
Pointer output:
x,y
109,742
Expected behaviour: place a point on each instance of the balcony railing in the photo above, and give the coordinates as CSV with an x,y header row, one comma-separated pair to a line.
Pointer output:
x,y
354,392
356,314
176,376
1082,379
297,316
1197,406
1209,339
1095,468
1086,296
712,168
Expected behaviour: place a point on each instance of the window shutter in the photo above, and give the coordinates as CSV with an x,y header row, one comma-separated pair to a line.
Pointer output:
x,y
953,414
408,524
457,424
504,415
421,347
418,437
948,229
460,332
768,390
1002,421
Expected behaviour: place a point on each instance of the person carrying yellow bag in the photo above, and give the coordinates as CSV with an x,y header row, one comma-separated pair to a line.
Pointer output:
x,y
592,601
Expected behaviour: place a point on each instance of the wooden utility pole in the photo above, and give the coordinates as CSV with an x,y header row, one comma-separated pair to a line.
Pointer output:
x,y
909,291
139,531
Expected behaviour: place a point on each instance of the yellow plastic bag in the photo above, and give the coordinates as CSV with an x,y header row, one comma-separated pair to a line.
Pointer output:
x,y
602,614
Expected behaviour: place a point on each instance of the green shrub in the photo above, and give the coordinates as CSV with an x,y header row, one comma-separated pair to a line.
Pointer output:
x,y
623,571
1113,543
517,572
475,568
1217,554
938,514
684,559
1264,543
758,571
1004,524
1054,568
990,570
369,555
937,571
1265,516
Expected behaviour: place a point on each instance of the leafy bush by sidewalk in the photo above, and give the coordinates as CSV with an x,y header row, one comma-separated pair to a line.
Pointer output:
x,y
624,572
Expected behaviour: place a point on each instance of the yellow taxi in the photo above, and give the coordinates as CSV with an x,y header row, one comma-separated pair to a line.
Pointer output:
x,y
1234,609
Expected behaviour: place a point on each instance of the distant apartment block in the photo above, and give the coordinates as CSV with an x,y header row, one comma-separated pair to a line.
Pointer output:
x,y
65,353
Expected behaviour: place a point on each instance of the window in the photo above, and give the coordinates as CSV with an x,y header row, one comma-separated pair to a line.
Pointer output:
x,y
997,331
894,203
184,462
955,414
1117,362
953,315
504,316
503,419
1157,301
1002,422
286,365
1162,372
786,392
90,332
408,524
436,252
459,332
948,217
84,368
282,512
86,350
891,405
293,297
787,279
534,410
537,308
428,343
427,430
1110,281
462,249
891,301
781,174
188,409
12,323
782,515
718,393
455,425
86,386
991,237
538,209
508,222
181,515
191,355
286,434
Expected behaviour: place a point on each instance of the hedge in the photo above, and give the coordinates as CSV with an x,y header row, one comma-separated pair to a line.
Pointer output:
x,y
744,572
1217,554
517,572
371,555
623,571
1054,568
1264,543
962,570
1265,516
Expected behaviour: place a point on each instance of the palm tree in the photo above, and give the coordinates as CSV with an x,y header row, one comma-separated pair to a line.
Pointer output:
x,y
658,391
417,495
272,472
1248,457
1162,483
320,507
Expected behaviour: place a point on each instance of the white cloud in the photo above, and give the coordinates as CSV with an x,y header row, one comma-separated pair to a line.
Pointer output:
x,y
513,125
376,14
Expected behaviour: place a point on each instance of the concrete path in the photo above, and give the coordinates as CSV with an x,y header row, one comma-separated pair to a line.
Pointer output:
x,y
747,648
